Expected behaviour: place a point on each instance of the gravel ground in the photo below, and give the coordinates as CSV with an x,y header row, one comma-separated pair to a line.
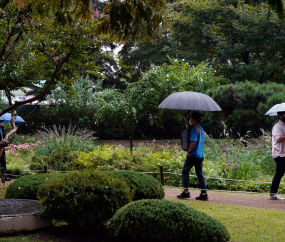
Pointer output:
x,y
241,199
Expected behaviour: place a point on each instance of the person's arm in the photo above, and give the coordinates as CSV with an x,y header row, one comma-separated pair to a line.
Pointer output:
x,y
281,139
191,146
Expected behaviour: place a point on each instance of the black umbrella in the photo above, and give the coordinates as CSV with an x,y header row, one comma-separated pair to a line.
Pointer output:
x,y
190,101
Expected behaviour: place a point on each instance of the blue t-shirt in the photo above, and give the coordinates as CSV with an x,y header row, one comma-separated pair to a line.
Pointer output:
x,y
198,150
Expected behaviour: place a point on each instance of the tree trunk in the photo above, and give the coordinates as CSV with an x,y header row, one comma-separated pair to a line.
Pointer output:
x,y
131,138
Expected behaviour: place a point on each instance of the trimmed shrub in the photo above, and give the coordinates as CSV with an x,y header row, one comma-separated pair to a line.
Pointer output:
x,y
142,186
160,220
27,186
84,198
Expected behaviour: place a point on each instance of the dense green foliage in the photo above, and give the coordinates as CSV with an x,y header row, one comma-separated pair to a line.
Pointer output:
x,y
83,198
240,40
160,220
244,105
27,186
142,186
226,159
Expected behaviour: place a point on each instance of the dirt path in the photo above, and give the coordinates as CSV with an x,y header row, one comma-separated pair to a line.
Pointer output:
x,y
257,201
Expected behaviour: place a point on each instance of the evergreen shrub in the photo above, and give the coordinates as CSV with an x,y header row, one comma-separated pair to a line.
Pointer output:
x,y
27,186
161,220
84,198
142,186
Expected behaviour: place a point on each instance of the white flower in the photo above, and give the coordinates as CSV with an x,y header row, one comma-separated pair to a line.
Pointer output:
x,y
168,80
183,59
167,75
175,60
201,79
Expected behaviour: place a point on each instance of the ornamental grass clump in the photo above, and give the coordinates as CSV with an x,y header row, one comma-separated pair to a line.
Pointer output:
x,y
61,146
160,220
84,198
27,186
142,186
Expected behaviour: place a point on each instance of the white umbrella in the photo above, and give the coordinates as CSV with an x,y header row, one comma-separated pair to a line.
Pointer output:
x,y
276,108
190,101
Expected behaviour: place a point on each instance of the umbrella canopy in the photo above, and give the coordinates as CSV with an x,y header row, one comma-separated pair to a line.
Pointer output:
x,y
7,118
190,101
276,108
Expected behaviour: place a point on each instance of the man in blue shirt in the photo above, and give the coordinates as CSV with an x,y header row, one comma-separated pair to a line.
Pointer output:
x,y
195,157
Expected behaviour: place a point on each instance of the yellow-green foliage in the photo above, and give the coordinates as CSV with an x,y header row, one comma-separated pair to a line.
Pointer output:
x,y
120,158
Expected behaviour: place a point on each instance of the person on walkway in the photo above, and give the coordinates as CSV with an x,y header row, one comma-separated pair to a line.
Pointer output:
x,y
278,154
3,156
195,157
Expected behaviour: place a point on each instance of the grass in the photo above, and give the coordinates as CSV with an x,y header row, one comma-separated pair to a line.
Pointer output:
x,y
246,224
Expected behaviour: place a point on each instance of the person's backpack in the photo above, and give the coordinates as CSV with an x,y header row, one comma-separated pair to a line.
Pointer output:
x,y
185,139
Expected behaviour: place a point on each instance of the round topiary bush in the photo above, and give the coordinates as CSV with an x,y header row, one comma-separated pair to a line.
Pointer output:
x,y
84,198
160,220
27,186
142,186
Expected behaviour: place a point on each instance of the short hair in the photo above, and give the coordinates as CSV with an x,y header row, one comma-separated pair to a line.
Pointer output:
x,y
196,116
280,113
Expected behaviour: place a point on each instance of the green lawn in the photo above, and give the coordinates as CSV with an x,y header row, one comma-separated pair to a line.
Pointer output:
x,y
246,223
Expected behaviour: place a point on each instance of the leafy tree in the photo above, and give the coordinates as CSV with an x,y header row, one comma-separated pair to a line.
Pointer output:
x,y
139,102
239,40
244,104
35,47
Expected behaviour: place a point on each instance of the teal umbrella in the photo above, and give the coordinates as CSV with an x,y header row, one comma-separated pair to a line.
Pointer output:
x,y
7,118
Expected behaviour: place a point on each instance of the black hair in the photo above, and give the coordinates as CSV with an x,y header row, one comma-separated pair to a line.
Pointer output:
x,y
196,116
280,113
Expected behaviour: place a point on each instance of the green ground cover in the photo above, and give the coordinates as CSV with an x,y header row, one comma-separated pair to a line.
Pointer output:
x,y
245,224
241,159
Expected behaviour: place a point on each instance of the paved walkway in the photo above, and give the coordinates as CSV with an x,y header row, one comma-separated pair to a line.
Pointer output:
x,y
251,200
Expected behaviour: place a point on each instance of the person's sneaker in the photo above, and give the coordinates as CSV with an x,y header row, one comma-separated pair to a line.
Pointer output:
x,y
184,195
8,179
202,197
275,197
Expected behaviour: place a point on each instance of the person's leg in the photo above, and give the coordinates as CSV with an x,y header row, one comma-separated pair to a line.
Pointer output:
x,y
200,176
189,163
279,172
185,177
3,161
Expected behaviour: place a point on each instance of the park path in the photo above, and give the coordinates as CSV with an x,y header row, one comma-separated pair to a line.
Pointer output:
x,y
252,200
242,199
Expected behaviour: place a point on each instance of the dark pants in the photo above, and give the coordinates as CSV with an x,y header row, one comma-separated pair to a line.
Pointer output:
x,y
3,161
198,164
279,172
